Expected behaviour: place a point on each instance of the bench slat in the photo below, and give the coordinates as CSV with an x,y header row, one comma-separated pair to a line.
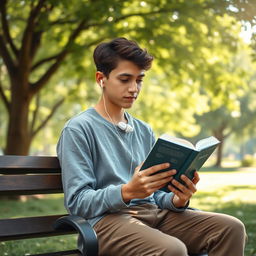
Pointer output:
x,y
30,184
63,253
30,227
29,164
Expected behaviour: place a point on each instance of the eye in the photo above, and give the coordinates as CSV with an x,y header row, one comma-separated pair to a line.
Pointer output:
x,y
124,80
139,81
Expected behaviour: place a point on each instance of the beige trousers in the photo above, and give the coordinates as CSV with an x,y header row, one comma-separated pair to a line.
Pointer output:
x,y
147,230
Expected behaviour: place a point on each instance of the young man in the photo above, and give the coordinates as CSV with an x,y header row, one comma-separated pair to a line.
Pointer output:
x,y
101,151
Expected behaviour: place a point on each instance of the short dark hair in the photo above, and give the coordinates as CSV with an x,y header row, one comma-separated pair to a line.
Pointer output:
x,y
106,55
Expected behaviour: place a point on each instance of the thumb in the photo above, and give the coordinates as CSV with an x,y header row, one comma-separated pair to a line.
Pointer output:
x,y
137,169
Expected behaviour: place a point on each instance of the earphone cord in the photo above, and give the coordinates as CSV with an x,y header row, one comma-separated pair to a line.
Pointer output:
x,y
110,117
121,140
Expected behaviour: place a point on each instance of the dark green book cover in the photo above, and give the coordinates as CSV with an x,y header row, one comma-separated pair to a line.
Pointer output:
x,y
181,154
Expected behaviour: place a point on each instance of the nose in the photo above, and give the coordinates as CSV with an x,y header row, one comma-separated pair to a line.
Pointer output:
x,y
133,87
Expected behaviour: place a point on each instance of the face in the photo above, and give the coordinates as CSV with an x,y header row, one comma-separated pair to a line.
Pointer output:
x,y
123,85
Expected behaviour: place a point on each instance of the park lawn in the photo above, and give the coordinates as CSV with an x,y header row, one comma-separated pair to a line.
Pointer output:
x,y
231,191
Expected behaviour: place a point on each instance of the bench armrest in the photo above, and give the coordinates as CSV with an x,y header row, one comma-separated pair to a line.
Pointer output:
x,y
193,209
87,235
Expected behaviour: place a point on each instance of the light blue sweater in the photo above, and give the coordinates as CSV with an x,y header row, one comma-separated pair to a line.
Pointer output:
x,y
95,158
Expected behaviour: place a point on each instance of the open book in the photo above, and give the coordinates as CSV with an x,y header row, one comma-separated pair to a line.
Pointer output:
x,y
182,155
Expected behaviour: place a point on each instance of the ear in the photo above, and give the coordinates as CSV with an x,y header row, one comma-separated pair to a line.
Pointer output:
x,y
99,76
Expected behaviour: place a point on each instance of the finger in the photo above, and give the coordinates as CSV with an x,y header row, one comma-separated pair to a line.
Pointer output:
x,y
162,175
137,169
153,169
159,184
151,187
176,191
196,178
152,182
180,186
189,184
184,196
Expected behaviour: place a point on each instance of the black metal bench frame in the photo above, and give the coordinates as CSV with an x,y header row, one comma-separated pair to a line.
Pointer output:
x,y
30,175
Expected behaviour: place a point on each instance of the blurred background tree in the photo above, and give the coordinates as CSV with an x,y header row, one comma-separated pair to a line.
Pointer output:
x,y
46,48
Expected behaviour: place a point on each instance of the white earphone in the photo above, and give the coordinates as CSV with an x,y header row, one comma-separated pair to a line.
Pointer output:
x,y
125,127
101,83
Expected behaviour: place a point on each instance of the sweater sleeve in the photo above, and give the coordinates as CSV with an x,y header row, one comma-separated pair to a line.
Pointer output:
x,y
164,201
78,178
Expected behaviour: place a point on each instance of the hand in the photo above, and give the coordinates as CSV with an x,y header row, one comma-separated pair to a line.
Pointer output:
x,y
143,183
183,193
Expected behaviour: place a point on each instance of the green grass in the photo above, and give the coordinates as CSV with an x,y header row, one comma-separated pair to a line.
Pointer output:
x,y
231,191
35,207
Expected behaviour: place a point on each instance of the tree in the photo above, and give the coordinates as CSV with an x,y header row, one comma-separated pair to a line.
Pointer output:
x,y
38,37
239,118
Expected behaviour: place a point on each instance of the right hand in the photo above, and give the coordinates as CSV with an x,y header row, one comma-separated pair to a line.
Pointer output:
x,y
143,183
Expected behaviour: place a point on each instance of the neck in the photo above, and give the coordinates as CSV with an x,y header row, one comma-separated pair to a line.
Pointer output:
x,y
110,112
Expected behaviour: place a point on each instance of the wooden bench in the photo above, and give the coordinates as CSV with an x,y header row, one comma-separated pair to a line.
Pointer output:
x,y
30,175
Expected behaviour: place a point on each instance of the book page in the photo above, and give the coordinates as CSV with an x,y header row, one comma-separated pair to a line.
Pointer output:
x,y
178,141
207,142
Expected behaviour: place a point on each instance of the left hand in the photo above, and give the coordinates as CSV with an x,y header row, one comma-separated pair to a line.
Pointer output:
x,y
183,194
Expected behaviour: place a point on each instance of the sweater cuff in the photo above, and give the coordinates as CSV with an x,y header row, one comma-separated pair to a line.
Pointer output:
x,y
169,203
116,199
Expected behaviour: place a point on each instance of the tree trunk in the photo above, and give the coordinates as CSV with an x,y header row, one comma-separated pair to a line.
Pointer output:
x,y
18,133
219,154
220,136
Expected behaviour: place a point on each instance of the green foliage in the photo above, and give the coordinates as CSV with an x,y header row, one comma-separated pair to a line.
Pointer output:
x,y
247,161
194,44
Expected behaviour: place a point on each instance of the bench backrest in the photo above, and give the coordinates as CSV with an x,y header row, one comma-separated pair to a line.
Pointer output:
x,y
29,175
43,175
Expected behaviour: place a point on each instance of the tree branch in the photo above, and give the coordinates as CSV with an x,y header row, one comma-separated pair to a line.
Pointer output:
x,y
5,100
6,56
97,24
36,87
45,121
59,58
35,43
63,22
6,30
35,112
41,62
142,14
37,35
28,34
228,134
